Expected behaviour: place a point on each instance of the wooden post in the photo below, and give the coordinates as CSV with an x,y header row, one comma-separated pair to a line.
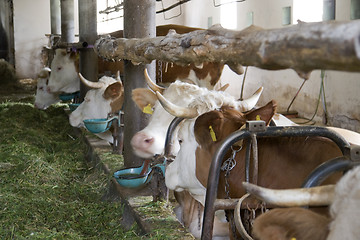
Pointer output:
x,y
139,22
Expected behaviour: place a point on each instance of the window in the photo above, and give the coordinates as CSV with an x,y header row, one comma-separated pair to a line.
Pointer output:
x,y
286,16
228,14
355,9
307,10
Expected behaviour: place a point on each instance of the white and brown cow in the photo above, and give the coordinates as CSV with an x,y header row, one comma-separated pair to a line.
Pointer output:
x,y
300,223
106,96
151,140
283,162
44,98
182,93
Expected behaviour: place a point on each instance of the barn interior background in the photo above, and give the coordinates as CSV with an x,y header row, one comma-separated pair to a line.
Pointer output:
x,y
338,106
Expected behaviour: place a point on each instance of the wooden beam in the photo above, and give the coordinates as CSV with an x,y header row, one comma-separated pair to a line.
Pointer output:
x,y
303,47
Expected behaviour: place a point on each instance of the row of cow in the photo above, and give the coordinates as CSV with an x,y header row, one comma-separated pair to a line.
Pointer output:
x,y
209,117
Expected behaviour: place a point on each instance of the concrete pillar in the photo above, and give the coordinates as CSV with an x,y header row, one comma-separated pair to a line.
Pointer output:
x,y
55,15
67,21
139,22
88,33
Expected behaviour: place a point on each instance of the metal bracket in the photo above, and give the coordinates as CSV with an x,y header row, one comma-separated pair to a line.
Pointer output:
x,y
256,126
355,153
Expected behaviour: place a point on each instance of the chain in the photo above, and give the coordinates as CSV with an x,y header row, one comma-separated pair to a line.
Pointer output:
x,y
160,70
199,217
227,166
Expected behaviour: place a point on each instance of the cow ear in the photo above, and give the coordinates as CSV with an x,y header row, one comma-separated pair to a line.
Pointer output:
x,y
143,97
265,113
207,128
114,90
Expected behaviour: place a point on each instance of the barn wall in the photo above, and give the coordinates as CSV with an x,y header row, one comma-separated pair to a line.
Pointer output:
x,y
341,88
31,23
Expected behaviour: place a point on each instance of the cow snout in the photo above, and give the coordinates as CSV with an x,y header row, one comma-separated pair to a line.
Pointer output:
x,y
142,143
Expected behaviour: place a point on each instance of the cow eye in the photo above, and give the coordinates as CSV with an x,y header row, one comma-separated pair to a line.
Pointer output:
x,y
59,68
180,141
41,88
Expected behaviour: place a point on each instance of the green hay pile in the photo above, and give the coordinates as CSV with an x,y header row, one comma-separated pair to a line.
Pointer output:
x,y
46,189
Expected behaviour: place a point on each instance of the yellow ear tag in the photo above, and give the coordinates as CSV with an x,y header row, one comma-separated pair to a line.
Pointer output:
x,y
212,134
258,118
293,238
148,109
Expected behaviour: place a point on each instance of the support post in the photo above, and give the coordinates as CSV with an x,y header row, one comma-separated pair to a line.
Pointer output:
x,y
67,21
88,33
139,22
55,16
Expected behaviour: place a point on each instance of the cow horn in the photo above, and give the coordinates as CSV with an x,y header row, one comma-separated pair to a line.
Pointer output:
x,y
250,103
175,110
91,84
315,196
118,76
223,88
151,84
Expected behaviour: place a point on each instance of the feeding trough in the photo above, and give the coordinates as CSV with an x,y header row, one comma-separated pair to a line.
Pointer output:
x,y
73,106
138,176
69,96
99,125
133,177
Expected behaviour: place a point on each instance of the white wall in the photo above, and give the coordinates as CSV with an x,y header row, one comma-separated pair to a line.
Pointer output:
x,y
30,26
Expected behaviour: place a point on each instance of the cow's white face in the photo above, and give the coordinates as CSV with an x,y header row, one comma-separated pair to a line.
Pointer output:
x,y
64,77
44,98
93,106
151,140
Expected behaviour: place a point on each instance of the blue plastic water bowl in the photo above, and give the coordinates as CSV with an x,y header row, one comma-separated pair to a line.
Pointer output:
x,y
69,96
131,178
73,106
161,166
97,125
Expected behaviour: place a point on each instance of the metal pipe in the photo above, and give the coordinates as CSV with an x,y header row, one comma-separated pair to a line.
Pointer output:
x,y
67,21
320,173
169,134
88,34
139,22
214,172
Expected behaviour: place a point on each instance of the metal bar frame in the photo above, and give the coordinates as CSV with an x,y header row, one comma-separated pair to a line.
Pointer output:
x,y
289,131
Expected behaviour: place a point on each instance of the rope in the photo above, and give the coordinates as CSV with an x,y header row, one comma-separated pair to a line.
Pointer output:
x,y
322,90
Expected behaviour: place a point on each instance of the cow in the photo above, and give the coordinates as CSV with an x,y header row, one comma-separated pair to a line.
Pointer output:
x,y
65,68
183,93
44,98
106,96
301,223
283,162
151,140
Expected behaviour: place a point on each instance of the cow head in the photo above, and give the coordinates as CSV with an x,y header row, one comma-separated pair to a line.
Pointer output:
x,y
150,141
199,138
64,72
44,98
106,96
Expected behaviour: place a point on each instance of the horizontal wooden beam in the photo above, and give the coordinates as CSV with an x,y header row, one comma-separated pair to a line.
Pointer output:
x,y
304,47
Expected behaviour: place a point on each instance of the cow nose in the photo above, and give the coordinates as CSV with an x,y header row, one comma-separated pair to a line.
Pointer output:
x,y
141,141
